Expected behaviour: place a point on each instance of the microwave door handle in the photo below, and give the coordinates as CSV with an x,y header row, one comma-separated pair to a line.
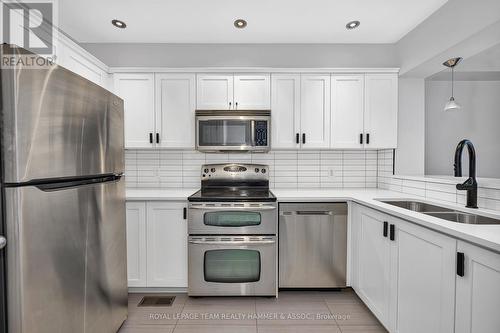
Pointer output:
x,y
232,243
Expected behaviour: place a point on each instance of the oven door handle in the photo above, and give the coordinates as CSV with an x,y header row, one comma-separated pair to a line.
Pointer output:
x,y
232,243
228,208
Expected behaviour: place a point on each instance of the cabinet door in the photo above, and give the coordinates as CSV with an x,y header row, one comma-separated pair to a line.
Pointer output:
x,y
478,291
175,106
372,282
252,92
137,91
381,110
347,111
166,244
77,63
136,244
214,92
315,111
285,106
423,281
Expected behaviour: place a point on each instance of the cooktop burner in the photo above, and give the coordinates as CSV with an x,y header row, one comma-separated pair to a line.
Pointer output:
x,y
233,195
234,182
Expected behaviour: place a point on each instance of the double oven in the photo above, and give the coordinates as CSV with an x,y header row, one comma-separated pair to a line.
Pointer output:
x,y
232,224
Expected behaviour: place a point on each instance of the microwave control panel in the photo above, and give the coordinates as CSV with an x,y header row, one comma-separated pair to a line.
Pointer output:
x,y
261,133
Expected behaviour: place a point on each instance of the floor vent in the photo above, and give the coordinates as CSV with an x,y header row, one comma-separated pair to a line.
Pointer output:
x,y
157,301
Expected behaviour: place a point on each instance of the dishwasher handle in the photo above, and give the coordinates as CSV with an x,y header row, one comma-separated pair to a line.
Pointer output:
x,y
309,212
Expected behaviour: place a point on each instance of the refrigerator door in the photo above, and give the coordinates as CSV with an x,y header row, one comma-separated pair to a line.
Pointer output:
x,y
66,264
58,124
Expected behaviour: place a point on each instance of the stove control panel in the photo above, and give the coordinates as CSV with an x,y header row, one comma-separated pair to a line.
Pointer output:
x,y
234,172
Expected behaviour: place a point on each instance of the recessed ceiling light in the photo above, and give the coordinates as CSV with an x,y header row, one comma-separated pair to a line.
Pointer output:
x,y
119,24
240,23
352,25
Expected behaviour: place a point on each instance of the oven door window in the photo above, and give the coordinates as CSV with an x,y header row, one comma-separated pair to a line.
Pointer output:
x,y
212,133
232,219
232,266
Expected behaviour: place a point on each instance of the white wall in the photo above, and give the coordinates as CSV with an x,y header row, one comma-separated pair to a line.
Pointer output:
x,y
478,120
245,55
410,155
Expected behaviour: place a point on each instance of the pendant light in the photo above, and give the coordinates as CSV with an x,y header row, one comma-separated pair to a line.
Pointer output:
x,y
451,105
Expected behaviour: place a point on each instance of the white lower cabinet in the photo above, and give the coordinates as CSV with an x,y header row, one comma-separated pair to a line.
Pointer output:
x,y
373,262
478,291
136,244
423,269
404,273
157,244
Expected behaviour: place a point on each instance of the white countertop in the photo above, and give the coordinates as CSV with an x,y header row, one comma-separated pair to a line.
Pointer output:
x,y
152,194
487,236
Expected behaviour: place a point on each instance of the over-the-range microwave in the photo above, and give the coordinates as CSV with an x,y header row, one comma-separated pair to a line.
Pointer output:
x,y
236,130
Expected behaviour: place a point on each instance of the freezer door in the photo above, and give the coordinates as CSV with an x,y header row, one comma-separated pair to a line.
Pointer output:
x,y
66,264
58,124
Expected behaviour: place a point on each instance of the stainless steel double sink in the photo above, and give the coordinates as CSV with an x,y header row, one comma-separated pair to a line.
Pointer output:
x,y
442,212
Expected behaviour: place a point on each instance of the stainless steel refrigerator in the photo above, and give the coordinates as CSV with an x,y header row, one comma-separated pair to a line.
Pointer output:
x,y
63,266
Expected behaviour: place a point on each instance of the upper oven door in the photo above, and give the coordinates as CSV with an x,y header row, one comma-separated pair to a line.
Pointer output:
x,y
232,132
206,218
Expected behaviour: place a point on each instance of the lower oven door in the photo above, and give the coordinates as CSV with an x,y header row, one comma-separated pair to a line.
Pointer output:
x,y
250,218
232,266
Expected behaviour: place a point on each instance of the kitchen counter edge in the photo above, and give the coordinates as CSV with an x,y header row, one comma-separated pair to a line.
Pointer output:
x,y
487,236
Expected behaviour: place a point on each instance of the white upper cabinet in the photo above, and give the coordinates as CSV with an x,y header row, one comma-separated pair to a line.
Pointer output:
x,y
214,92
233,92
285,114
252,92
77,62
73,57
347,111
315,111
137,91
309,111
478,290
175,106
381,110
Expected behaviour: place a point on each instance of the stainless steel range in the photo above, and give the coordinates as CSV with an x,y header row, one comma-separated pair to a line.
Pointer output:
x,y
232,227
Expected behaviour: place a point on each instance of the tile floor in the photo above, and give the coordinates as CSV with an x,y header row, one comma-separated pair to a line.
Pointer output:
x,y
293,311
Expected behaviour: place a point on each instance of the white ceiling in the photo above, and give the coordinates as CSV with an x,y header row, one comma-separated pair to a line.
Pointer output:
x,y
269,21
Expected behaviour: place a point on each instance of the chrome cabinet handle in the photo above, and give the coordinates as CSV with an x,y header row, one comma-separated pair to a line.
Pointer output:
x,y
3,242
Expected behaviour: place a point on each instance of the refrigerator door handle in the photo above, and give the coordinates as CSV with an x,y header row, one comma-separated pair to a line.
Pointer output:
x,y
55,184
74,183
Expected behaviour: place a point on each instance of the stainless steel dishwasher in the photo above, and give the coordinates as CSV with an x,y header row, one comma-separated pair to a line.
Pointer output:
x,y
312,245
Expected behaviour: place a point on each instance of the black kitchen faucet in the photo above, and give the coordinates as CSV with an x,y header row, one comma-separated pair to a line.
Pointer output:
x,y
470,185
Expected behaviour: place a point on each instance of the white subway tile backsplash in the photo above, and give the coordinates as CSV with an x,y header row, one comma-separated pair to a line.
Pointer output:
x,y
294,169
488,198
288,169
